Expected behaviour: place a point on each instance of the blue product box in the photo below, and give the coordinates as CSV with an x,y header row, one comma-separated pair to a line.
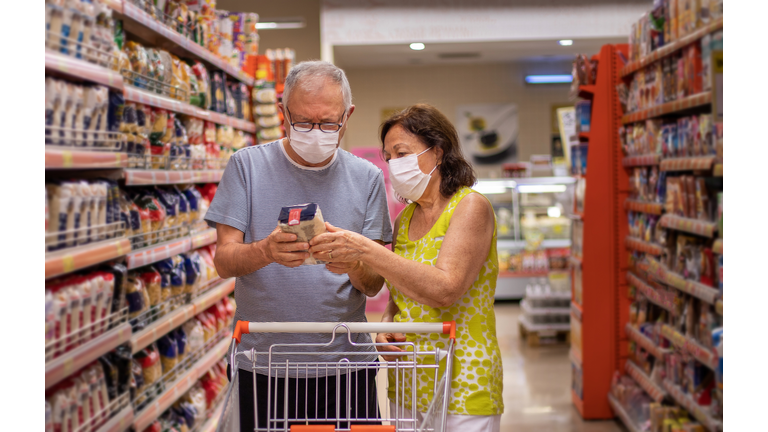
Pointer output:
x,y
583,115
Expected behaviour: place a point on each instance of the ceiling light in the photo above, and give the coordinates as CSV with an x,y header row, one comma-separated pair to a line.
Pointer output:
x,y
281,23
417,46
548,79
541,188
553,212
565,42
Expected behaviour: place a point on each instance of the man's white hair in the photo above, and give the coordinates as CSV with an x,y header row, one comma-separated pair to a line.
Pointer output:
x,y
309,74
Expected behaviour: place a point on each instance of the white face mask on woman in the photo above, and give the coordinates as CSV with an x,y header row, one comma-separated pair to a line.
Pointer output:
x,y
407,178
314,146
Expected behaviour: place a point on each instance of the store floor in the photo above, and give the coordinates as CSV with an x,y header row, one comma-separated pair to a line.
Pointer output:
x,y
537,383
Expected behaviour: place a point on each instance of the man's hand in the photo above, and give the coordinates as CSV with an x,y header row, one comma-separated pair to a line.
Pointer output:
x,y
389,337
282,248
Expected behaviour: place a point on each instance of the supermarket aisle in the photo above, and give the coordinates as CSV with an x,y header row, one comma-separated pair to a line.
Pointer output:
x,y
537,383
537,391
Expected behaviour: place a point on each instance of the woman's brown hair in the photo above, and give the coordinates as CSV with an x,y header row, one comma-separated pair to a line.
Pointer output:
x,y
435,130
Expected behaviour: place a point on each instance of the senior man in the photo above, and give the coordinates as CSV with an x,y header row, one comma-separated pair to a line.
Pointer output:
x,y
272,286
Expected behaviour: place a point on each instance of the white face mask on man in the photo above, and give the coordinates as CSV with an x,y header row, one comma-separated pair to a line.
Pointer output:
x,y
314,146
407,178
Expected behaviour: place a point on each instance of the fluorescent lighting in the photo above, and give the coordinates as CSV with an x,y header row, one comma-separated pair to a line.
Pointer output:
x,y
541,188
490,189
281,23
537,410
417,46
548,79
553,212
565,42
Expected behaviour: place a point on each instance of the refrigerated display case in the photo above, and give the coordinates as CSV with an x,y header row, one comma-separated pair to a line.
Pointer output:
x,y
533,219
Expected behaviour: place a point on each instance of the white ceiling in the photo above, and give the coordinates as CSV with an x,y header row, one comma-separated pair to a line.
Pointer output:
x,y
535,52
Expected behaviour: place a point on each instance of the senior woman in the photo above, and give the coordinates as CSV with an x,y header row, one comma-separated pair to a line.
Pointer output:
x,y
443,265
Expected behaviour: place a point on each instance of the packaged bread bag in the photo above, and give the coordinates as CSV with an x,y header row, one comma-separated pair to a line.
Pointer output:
x,y
304,220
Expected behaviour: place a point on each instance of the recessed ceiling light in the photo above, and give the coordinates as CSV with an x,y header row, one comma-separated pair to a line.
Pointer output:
x,y
565,42
417,46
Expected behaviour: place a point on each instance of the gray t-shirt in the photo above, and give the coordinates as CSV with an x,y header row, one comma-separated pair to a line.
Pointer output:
x,y
257,183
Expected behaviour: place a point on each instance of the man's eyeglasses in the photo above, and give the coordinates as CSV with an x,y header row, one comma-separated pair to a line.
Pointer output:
x,y
307,126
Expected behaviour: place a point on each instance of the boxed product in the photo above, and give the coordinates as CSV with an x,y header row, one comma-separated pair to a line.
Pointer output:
x,y
304,220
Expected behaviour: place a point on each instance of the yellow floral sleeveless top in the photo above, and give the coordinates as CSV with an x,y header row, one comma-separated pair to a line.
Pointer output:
x,y
477,375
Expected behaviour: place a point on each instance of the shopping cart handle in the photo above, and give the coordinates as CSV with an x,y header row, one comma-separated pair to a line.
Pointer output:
x,y
241,327
245,327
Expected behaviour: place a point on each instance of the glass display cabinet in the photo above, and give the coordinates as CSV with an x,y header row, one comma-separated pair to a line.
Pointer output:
x,y
533,220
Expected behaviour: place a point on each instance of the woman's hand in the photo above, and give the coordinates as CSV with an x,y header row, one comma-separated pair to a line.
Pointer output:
x,y
388,338
338,246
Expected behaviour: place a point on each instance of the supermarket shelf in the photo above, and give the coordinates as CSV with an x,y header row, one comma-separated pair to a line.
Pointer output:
x,y
530,310
669,108
705,356
543,327
647,344
666,50
81,69
546,244
693,226
654,296
575,356
119,423
213,422
181,315
68,260
643,207
156,177
641,160
655,391
180,386
717,171
576,310
696,289
548,296
134,94
84,159
635,244
148,28
59,368
717,247
695,163
508,274
587,91
692,407
155,253
621,413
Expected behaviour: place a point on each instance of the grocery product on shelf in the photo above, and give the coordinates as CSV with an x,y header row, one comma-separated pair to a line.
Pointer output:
x,y
81,29
198,404
267,117
173,353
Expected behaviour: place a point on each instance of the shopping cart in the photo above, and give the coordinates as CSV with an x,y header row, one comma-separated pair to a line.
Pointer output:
x,y
401,417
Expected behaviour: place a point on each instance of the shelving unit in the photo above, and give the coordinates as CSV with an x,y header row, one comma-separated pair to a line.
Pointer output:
x,y
144,27
179,316
61,367
669,295
74,159
80,70
77,258
601,303
133,94
180,386
83,162
134,177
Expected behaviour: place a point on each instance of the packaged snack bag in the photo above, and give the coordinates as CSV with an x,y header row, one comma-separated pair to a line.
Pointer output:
x,y
304,220
151,369
152,283
168,350
136,296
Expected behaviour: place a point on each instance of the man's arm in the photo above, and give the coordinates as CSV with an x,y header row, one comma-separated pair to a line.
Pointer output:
x,y
235,259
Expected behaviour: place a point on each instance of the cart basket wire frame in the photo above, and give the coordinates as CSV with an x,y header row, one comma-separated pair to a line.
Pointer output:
x,y
403,370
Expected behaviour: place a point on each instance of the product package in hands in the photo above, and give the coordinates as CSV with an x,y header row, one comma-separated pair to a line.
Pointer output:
x,y
304,220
